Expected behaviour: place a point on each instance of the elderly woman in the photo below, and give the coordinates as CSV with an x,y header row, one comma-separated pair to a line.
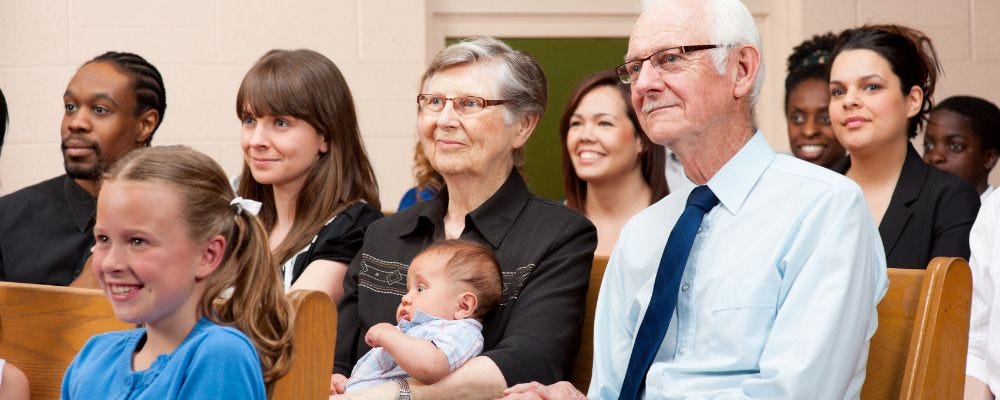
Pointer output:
x,y
480,100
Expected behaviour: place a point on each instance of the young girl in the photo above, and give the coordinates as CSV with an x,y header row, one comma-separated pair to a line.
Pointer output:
x,y
305,161
170,236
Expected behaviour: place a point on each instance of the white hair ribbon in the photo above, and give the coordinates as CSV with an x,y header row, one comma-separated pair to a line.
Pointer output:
x,y
251,207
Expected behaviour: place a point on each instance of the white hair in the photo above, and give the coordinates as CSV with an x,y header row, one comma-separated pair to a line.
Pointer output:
x,y
729,23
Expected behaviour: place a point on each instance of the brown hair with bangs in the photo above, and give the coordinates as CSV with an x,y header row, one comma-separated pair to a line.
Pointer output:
x,y
306,85
258,306
475,266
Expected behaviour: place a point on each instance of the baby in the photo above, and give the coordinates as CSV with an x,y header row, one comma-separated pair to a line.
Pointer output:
x,y
451,285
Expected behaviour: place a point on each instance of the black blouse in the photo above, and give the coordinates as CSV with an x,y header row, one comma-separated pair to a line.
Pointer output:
x,y
340,239
929,215
545,251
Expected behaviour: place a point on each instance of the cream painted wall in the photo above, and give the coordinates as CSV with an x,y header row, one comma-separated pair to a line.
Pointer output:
x,y
965,34
204,47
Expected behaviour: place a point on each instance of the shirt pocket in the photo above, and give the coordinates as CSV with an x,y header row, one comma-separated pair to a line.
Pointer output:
x,y
741,324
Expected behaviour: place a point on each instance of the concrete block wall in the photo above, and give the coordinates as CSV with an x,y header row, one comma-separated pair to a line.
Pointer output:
x,y
964,32
203,48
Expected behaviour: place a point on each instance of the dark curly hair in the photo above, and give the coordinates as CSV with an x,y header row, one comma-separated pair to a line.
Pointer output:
x,y
910,54
810,60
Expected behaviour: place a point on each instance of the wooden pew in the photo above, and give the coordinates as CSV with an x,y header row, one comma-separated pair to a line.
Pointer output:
x,y
918,351
43,327
585,356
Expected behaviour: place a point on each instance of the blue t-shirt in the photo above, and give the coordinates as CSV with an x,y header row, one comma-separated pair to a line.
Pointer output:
x,y
213,362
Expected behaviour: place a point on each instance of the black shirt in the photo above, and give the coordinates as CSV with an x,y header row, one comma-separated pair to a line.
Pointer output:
x,y
45,232
545,251
929,215
340,239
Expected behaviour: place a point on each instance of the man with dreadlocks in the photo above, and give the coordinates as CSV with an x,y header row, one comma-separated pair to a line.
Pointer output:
x,y
113,105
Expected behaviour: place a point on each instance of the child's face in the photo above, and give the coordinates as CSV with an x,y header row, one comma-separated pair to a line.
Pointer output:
x,y
144,259
430,290
950,144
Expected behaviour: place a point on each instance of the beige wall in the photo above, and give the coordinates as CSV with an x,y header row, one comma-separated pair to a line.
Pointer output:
x,y
204,47
965,34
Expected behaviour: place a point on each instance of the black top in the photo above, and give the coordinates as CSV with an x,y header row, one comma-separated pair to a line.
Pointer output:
x,y
46,232
545,252
930,215
340,239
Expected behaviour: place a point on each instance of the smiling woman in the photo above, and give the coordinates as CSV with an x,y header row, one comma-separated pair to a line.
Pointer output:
x,y
807,103
881,84
304,160
611,170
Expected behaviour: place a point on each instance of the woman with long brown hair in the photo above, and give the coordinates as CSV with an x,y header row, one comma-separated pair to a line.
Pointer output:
x,y
611,170
305,161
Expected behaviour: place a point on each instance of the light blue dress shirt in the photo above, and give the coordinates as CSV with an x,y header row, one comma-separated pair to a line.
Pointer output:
x,y
778,298
459,340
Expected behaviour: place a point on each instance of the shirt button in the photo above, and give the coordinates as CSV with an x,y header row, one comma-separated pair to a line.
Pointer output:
x,y
685,287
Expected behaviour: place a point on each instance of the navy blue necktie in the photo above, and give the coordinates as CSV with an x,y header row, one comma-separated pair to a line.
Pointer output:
x,y
664,299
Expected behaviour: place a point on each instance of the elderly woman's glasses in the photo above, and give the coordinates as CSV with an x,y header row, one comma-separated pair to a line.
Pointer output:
x,y
669,60
464,105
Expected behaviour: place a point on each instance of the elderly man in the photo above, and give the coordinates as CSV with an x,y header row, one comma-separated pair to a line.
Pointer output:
x,y
768,284
113,105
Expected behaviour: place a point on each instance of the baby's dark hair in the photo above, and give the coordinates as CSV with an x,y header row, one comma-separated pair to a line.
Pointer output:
x,y
475,265
983,115
810,60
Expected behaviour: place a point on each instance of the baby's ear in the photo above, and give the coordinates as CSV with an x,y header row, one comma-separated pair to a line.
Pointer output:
x,y
467,303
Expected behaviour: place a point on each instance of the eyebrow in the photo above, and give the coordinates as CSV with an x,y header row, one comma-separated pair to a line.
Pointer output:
x,y
863,78
100,95
603,114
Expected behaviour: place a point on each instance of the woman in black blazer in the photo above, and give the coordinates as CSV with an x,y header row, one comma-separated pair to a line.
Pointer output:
x,y
881,85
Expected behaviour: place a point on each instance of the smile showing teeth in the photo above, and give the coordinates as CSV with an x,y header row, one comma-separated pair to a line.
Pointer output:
x,y
589,155
122,289
812,148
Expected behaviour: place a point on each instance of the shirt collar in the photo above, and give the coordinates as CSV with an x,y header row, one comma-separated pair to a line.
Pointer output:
x,y
733,183
81,204
493,219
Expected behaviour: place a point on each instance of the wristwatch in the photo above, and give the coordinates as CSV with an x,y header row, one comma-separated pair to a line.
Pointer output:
x,y
404,389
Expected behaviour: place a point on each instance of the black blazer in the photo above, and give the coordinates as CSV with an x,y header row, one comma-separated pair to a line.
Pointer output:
x,y
929,215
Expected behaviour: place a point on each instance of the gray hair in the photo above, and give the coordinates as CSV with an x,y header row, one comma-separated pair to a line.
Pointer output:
x,y
730,23
521,81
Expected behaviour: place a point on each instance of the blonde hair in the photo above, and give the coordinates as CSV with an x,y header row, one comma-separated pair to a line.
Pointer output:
x,y
258,306
308,86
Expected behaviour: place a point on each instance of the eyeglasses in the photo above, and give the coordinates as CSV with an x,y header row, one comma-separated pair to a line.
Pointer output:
x,y
464,105
669,60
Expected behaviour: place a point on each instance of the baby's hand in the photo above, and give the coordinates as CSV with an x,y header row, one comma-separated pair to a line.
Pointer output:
x,y
374,335
338,384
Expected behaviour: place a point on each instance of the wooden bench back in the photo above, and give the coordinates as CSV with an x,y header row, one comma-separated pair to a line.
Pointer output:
x,y
919,349
43,327
585,356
